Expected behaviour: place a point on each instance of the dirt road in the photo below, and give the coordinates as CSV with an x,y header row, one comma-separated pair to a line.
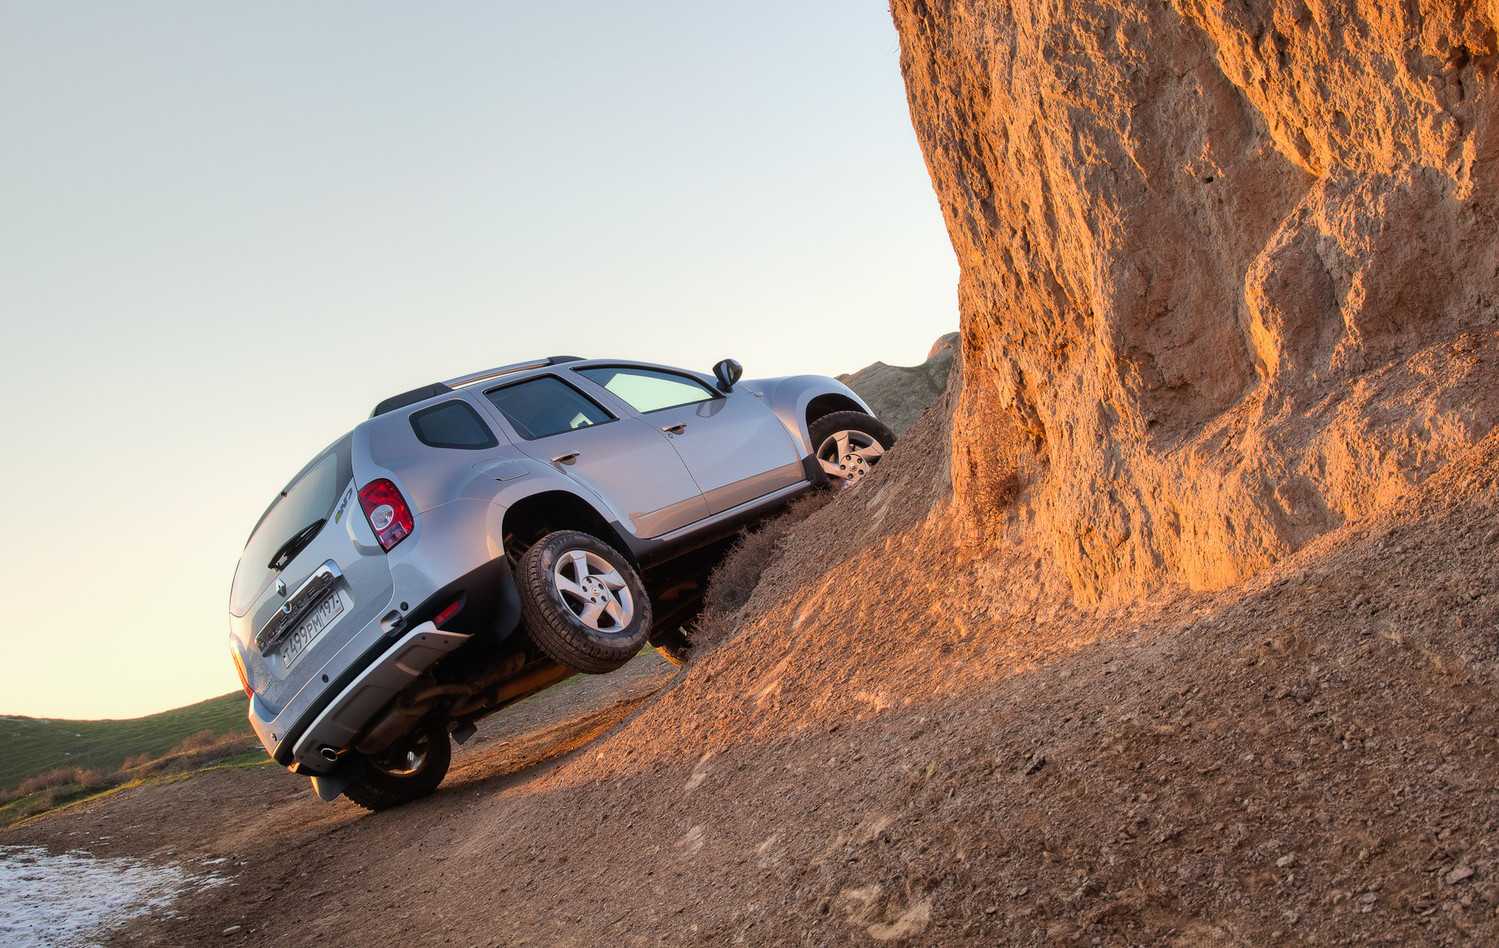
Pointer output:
x,y
291,856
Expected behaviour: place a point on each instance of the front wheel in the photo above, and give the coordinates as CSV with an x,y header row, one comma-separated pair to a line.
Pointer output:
x,y
848,445
408,770
583,603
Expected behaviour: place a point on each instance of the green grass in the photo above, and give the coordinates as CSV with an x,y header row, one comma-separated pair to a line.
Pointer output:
x,y
37,745
48,802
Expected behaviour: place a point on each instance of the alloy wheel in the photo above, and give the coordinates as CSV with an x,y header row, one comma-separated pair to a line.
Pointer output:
x,y
847,456
594,591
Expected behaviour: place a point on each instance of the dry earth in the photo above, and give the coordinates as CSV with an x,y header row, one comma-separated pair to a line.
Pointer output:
x,y
926,740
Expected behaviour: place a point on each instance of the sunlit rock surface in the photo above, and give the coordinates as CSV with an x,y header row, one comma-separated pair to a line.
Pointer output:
x,y
1229,270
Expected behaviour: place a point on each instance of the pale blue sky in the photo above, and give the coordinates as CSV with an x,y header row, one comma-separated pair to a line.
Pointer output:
x,y
230,229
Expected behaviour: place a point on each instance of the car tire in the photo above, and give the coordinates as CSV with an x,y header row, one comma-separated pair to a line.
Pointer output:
x,y
595,620
410,770
866,439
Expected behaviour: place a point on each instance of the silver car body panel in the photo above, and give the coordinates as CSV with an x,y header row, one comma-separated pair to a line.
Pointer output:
x,y
733,446
789,398
739,452
650,490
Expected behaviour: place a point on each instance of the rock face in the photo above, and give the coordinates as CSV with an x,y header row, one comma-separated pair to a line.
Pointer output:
x,y
900,393
1230,271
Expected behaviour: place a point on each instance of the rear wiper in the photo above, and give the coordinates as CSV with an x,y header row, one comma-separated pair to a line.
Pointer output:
x,y
288,551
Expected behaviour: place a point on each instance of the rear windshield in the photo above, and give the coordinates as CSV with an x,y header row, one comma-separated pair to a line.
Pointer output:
x,y
307,499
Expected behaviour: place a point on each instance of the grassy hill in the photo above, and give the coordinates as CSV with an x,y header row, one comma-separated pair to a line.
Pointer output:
x,y
37,745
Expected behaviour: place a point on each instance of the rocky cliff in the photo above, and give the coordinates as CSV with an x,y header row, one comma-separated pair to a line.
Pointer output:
x,y
1229,270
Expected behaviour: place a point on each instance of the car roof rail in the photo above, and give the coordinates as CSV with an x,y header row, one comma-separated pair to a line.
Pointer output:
x,y
411,398
473,378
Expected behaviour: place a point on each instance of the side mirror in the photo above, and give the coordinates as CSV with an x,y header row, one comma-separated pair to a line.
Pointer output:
x,y
728,372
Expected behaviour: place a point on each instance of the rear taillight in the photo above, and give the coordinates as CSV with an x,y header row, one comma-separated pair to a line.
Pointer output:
x,y
386,510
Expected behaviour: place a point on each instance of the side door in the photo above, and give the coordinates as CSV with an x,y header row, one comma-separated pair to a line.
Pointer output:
x,y
734,445
620,458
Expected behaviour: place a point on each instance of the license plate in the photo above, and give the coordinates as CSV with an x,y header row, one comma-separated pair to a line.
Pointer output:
x,y
295,645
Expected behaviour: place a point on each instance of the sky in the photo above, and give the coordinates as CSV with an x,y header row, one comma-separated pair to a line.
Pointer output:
x,y
227,230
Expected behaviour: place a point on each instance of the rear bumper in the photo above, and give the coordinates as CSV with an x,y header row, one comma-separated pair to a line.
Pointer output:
x,y
359,701
491,607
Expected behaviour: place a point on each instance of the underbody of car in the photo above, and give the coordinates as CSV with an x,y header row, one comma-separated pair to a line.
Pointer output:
x,y
477,540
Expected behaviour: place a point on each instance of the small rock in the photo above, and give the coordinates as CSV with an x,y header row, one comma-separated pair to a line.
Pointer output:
x,y
1459,874
1286,861
1034,764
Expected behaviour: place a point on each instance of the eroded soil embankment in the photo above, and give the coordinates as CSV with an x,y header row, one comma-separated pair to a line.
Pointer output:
x,y
911,736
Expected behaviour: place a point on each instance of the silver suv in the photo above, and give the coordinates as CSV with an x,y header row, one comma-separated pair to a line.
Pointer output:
x,y
479,539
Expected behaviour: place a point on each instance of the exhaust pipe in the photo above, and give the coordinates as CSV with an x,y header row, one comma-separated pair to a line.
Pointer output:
x,y
330,754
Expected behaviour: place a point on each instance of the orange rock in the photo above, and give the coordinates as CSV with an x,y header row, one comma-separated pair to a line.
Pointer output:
x,y
1229,272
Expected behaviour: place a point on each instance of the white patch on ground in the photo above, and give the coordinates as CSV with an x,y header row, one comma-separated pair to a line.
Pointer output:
x,y
870,829
863,908
699,773
76,899
769,685
765,854
862,903
880,504
692,843
912,921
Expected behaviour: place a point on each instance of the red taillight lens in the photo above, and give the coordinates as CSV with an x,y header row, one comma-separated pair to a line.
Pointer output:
x,y
386,510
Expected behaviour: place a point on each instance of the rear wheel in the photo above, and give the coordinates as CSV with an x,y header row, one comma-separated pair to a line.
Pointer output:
x,y
408,770
583,603
848,445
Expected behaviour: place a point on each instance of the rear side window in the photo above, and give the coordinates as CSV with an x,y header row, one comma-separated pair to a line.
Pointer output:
x,y
303,505
545,406
452,425
646,390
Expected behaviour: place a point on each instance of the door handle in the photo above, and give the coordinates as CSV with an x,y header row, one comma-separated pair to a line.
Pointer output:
x,y
678,428
567,458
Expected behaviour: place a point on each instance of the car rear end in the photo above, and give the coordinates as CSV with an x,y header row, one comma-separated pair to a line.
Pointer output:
x,y
313,592
340,592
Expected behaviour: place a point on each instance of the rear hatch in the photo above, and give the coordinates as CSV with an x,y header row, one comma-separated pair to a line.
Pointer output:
x,y
310,577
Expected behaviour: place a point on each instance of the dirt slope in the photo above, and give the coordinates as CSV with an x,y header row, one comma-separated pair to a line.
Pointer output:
x,y
900,393
928,741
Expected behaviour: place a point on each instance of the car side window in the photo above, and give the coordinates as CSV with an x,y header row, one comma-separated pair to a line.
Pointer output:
x,y
646,390
545,406
452,425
